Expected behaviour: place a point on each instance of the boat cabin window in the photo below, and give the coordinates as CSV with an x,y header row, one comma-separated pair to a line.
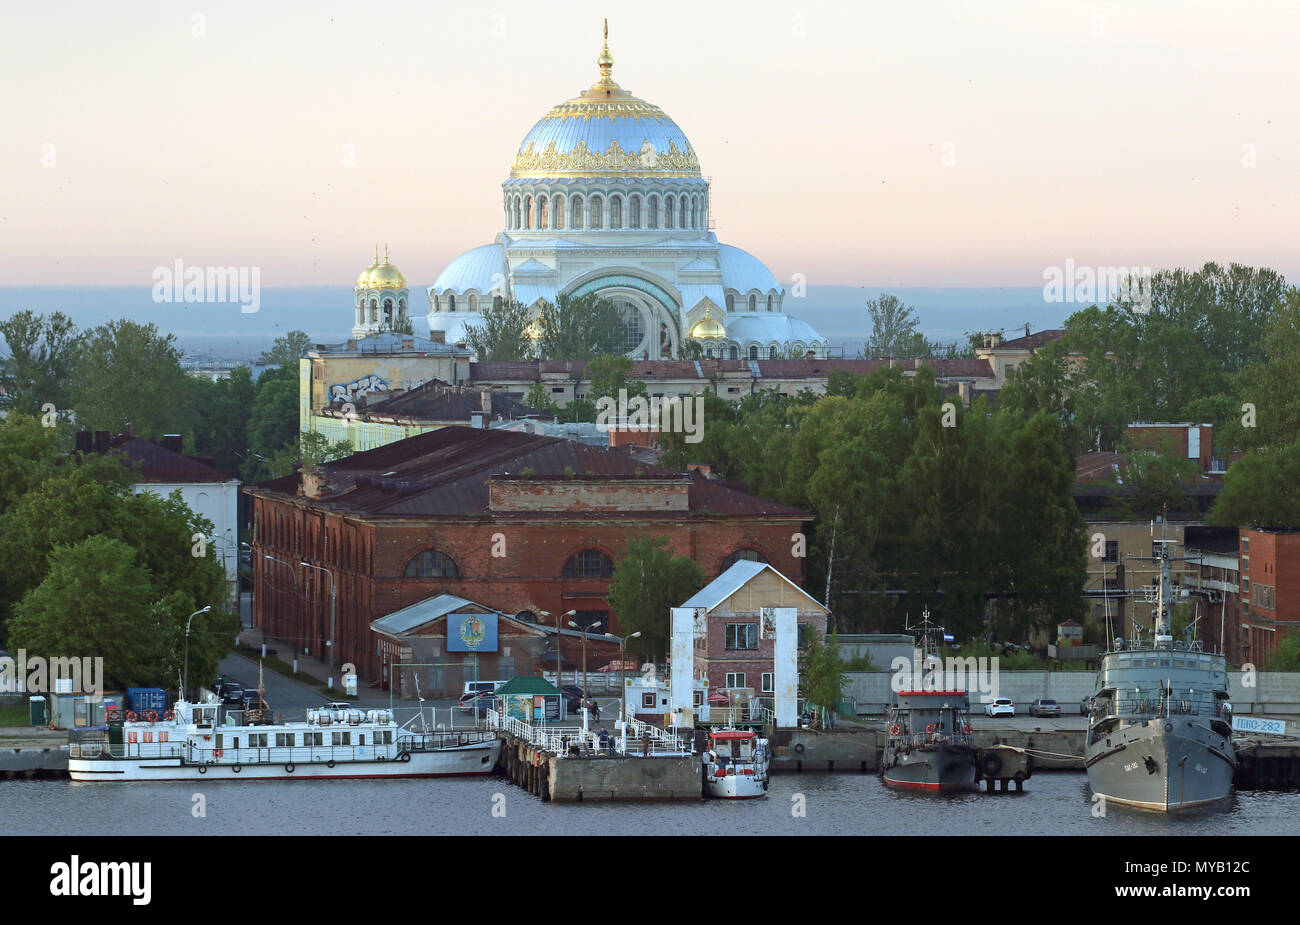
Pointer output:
x,y
383,737
284,739
312,738
361,738
257,740
343,738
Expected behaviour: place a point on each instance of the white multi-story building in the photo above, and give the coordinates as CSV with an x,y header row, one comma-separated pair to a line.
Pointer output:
x,y
605,196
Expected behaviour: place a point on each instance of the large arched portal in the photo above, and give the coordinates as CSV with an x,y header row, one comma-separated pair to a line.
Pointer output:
x,y
649,313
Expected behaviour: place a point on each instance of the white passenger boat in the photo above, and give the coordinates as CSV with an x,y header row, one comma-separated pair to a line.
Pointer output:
x,y
192,742
735,765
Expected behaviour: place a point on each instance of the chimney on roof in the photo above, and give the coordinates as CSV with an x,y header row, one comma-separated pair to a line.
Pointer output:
x,y
101,441
173,442
313,482
85,441
438,337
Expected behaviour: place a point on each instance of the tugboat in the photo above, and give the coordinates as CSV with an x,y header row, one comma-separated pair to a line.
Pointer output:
x,y
929,745
735,765
193,742
1160,727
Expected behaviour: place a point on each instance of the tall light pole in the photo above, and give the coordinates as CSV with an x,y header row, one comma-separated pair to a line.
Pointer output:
x,y
186,682
585,694
547,613
622,673
333,615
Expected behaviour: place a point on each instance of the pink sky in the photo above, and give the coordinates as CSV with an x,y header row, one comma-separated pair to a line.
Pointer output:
x,y
1111,133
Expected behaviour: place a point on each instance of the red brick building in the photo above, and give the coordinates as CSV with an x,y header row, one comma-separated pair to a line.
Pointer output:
x,y
1269,598
518,522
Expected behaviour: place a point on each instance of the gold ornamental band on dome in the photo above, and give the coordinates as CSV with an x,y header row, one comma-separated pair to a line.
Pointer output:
x,y
612,163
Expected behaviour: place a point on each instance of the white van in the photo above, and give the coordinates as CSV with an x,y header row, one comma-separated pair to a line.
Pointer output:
x,y
474,688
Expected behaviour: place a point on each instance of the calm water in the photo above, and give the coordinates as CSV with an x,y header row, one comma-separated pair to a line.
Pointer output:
x,y
838,804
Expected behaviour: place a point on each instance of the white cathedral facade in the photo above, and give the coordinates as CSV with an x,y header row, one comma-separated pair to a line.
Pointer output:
x,y
605,196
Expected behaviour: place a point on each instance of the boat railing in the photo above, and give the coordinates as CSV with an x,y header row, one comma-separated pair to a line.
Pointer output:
x,y
918,740
642,738
1179,703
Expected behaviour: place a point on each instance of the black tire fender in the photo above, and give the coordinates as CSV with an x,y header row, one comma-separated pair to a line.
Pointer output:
x,y
991,765
798,747
288,768
330,763
203,769
406,756
236,769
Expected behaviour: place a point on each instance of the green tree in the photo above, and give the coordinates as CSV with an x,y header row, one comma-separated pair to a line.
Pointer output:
x,y
579,328
1270,384
893,329
1259,490
287,350
129,373
309,449
504,334
273,421
648,581
42,351
610,374
821,671
218,417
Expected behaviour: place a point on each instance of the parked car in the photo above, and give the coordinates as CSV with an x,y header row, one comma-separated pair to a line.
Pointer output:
x,y
1044,706
1002,706
472,691
232,693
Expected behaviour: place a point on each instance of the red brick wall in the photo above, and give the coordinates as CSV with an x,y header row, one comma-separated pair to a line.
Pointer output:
x,y
368,561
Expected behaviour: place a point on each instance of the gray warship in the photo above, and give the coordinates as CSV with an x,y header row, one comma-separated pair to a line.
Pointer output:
x,y
1160,727
929,744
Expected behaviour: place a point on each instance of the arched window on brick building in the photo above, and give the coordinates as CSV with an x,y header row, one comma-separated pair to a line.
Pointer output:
x,y
589,563
431,564
752,555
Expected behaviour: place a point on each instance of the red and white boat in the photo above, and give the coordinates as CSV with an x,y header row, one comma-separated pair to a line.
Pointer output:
x,y
192,742
735,765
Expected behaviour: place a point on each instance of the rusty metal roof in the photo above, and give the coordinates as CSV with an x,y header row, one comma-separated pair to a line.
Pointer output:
x,y
445,473
156,464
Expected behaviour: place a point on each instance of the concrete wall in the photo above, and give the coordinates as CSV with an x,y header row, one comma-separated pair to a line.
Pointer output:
x,y
1273,692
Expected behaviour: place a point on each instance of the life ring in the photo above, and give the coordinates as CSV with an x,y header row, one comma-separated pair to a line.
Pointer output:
x,y
114,715
895,730
991,765
406,756
288,768
328,764
236,769
799,748
966,729
169,716
150,716
203,769
537,760
131,717
932,728
218,753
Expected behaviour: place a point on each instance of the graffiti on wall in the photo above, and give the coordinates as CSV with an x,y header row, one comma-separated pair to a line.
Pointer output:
x,y
351,391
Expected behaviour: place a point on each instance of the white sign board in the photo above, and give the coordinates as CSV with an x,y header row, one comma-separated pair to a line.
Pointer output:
x,y
1269,727
350,685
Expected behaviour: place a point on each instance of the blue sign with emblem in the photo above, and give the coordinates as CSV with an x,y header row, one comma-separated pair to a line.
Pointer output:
x,y
471,632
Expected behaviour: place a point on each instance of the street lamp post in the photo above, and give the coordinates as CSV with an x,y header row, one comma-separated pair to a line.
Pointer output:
x,y
547,613
186,682
622,674
586,696
333,616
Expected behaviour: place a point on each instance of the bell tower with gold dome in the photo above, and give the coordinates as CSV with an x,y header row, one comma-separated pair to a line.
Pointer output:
x,y
605,196
381,298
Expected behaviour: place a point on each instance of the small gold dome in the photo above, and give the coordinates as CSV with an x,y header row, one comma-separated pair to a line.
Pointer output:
x,y
707,328
381,275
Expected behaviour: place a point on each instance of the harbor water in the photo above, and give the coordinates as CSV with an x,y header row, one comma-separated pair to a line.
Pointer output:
x,y
805,804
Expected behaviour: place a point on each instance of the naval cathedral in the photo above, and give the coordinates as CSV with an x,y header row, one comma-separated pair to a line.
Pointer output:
x,y
605,196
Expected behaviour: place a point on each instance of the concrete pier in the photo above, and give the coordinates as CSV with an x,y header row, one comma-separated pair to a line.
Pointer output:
x,y
43,761
601,778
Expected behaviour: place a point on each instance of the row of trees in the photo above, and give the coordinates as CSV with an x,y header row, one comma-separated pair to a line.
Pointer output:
x,y
125,375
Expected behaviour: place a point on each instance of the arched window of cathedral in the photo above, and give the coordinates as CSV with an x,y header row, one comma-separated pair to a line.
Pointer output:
x,y
541,211
496,301
634,213
654,212
753,302
519,212
709,353
735,352
388,309
731,302
451,302
575,213
589,563
683,216
597,219
769,303
771,352
431,564
437,304
669,207
557,209
753,353
693,205
616,212
473,303
528,211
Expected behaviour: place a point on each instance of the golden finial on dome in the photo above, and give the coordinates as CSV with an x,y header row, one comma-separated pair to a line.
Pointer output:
x,y
605,61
